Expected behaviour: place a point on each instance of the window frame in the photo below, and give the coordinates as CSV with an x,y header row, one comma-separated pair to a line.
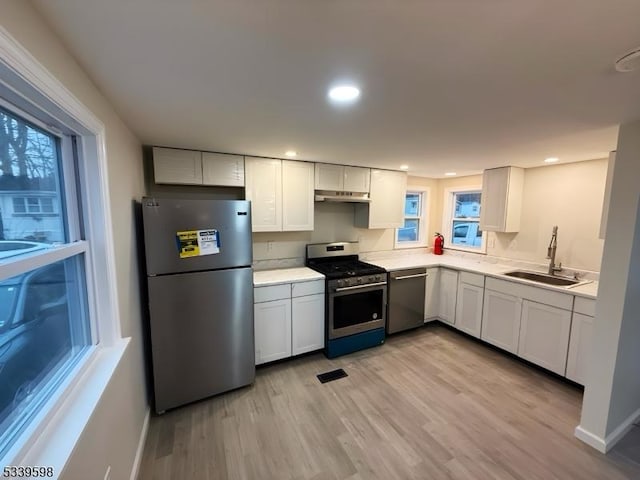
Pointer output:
x,y
32,92
448,219
423,219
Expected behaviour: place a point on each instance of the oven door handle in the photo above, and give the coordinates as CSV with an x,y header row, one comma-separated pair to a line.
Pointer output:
x,y
358,287
417,275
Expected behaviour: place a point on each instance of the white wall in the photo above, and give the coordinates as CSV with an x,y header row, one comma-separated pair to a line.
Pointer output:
x,y
568,195
112,435
612,391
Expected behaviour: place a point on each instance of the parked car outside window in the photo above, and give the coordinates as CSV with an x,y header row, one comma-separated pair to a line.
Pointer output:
x,y
34,333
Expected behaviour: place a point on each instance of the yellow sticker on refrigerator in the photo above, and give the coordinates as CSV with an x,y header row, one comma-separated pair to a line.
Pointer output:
x,y
196,243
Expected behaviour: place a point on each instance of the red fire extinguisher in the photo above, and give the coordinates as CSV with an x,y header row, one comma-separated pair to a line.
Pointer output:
x,y
438,243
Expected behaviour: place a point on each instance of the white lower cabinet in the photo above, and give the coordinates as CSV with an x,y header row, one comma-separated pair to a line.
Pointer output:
x,y
307,323
501,320
579,347
448,295
272,325
431,309
288,319
544,335
469,308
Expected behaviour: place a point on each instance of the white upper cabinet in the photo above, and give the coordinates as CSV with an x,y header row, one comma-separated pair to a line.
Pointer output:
x,y
263,178
387,194
357,179
501,199
340,178
222,169
607,195
297,195
329,177
281,194
190,167
171,165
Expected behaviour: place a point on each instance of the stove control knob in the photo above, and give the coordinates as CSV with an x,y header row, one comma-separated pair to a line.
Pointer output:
x,y
378,278
372,279
359,279
340,283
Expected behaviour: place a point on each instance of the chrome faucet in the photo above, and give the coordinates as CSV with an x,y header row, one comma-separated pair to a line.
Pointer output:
x,y
551,252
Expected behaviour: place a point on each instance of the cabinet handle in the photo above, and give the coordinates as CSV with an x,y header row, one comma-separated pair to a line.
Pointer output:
x,y
417,275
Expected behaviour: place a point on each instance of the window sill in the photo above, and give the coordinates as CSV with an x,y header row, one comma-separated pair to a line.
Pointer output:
x,y
480,251
404,245
56,429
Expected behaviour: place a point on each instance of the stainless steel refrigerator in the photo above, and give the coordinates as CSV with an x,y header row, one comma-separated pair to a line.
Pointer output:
x,y
200,286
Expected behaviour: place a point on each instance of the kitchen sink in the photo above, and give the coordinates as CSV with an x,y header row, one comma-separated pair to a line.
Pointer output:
x,y
542,278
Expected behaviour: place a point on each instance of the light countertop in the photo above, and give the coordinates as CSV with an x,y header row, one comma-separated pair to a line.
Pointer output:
x,y
263,278
588,290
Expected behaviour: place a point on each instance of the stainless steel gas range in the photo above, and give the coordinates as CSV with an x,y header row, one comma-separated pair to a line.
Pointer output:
x,y
356,297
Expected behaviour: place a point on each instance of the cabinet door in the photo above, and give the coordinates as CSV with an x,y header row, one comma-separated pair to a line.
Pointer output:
x,y
501,199
431,307
329,177
356,179
448,295
171,165
544,335
222,169
579,347
297,196
501,320
469,308
263,177
272,324
387,194
307,323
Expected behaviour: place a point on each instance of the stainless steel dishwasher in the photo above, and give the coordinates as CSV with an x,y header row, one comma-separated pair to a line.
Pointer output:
x,y
406,291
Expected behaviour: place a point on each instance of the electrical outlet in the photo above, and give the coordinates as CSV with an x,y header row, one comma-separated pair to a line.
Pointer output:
x,y
269,246
107,474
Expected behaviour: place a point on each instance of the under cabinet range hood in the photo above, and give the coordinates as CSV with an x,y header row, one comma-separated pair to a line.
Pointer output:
x,y
345,197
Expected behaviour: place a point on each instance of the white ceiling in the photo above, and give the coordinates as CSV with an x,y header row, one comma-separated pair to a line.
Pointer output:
x,y
446,85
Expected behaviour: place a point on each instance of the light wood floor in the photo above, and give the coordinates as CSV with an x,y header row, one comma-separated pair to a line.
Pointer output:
x,y
430,404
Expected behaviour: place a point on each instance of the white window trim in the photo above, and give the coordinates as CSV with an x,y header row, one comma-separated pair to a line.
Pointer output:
x,y
53,433
423,240
447,219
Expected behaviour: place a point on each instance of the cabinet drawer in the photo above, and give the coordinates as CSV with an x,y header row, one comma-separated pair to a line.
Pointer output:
x,y
586,306
301,289
272,292
537,294
472,279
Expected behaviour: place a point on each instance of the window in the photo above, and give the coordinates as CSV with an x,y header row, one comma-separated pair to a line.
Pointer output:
x,y
462,220
33,205
413,232
45,326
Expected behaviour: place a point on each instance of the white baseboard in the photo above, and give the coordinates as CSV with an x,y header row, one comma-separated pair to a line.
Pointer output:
x,y
621,430
140,450
590,439
606,444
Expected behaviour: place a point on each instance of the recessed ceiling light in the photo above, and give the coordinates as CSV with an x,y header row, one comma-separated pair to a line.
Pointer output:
x,y
291,153
404,167
551,160
451,174
344,93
